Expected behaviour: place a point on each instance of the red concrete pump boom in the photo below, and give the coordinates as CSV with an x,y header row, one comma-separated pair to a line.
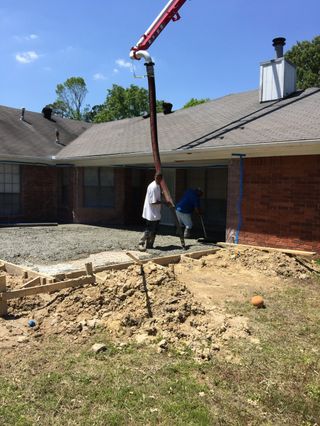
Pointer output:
x,y
169,13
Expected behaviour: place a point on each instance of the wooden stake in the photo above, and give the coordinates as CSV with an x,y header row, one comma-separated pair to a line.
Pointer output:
x,y
3,301
89,268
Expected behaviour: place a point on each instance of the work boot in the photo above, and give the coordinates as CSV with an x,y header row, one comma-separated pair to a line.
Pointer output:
x,y
150,241
144,241
187,233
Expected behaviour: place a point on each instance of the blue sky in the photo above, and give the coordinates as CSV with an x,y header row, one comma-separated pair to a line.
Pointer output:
x,y
214,50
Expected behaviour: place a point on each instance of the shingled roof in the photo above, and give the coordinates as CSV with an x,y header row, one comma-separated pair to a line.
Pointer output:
x,y
231,121
35,136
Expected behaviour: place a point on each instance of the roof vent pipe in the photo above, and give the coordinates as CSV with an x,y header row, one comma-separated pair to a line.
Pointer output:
x,y
22,114
278,44
167,107
47,112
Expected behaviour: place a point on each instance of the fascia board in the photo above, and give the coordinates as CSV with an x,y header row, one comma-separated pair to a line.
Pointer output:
x,y
287,148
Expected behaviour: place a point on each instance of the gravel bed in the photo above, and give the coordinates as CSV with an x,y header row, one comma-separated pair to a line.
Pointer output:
x,y
51,244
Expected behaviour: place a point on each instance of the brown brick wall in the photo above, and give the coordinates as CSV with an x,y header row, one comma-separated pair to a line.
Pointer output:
x,y
38,194
281,202
102,216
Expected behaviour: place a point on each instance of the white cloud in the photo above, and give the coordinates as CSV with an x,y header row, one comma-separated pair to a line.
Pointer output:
x,y
27,57
115,70
123,64
99,76
27,37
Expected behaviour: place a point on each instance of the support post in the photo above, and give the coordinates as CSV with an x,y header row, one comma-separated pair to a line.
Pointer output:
x,y
239,206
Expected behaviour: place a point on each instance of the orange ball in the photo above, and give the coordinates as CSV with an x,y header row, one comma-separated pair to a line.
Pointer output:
x,y
257,301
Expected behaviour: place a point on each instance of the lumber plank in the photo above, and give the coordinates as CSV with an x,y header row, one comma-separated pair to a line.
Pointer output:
x,y
114,267
164,260
201,253
18,270
70,275
134,258
287,251
48,288
32,282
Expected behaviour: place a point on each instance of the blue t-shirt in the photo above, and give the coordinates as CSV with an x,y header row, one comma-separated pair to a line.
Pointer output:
x,y
189,201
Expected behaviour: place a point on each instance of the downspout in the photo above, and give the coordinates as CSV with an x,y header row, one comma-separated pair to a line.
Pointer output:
x,y
239,204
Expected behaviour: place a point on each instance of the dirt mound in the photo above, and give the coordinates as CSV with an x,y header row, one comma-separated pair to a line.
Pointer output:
x,y
179,305
145,305
272,263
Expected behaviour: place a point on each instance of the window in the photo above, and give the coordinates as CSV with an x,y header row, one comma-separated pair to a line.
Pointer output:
x,y
9,189
98,187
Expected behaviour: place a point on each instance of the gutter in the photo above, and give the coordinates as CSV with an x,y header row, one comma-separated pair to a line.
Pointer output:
x,y
266,149
35,161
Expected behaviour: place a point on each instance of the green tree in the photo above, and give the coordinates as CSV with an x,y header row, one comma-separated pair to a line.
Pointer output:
x,y
306,56
70,97
90,114
194,102
123,103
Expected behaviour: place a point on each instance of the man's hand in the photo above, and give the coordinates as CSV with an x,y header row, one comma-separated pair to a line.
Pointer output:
x,y
168,203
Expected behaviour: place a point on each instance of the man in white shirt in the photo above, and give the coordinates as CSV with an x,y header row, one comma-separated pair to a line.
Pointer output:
x,y
151,213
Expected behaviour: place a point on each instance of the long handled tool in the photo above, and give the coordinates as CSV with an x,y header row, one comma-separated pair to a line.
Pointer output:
x,y
205,239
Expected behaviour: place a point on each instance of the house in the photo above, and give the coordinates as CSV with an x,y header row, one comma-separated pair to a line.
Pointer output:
x,y
32,186
255,154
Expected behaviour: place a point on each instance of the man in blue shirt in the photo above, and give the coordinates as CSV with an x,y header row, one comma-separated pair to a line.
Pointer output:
x,y
189,203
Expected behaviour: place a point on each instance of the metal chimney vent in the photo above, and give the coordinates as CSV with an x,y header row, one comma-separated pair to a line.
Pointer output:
x,y
277,77
278,44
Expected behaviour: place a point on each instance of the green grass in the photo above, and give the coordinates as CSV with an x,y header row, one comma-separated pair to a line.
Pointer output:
x,y
274,382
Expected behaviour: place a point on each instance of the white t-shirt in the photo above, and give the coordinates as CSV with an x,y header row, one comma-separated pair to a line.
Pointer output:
x,y
152,211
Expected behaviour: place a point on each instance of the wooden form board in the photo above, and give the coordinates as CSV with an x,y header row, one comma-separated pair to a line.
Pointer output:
x,y
287,251
164,260
23,271
33,282
47,288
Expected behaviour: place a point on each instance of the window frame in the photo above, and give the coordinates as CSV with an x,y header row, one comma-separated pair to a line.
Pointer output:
x,y
99,197
10,189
